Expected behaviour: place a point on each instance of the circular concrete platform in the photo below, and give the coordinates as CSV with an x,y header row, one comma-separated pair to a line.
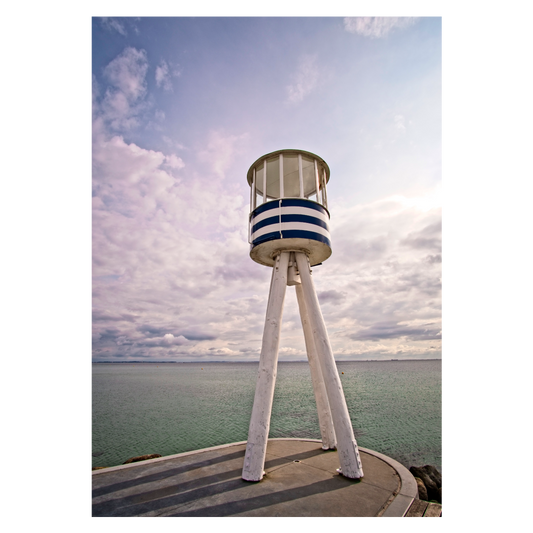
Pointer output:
x,y
300,480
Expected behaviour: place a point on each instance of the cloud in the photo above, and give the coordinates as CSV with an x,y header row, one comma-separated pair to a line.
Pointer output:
x,y
113,24
164,74
369,249
428,238
106,316
173,161
96,336
129,179
117,166
172,276
199,336
163,238
399,122
430,200
124,96
397,330
167,340
153,266
171,282
305,79
221,150
385,285
118,23
377,27
127,73
149,331
434,258
331,296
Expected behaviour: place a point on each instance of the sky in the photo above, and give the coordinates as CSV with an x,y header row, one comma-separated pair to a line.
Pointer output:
x,y
182,107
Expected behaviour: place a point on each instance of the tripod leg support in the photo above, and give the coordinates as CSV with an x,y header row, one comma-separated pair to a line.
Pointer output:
x,y
349,458
254,458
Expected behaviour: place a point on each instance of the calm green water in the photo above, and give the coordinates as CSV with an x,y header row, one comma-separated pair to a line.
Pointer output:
x,y
395,407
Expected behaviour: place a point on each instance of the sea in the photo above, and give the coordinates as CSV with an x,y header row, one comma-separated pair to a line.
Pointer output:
x,y
168,408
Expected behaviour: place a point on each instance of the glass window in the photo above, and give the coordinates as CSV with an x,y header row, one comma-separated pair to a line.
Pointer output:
x,y
291,178
273,177
252,193
308,167
259,183
322,175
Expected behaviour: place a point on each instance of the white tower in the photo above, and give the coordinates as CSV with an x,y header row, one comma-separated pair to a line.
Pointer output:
x,y
288,231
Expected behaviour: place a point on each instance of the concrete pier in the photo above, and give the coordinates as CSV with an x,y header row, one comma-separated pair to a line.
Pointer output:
x,y
300,480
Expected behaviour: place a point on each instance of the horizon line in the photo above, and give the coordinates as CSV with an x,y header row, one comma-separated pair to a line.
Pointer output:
x,y
257,361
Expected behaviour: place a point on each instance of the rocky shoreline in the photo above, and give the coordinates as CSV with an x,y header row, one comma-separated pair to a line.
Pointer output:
x,y
429,481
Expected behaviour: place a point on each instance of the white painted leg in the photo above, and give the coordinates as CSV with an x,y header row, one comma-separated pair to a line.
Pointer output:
x,y
350,461
325,420
254,458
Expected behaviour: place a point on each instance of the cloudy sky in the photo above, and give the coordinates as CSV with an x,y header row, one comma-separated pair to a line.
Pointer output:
x,y
183,106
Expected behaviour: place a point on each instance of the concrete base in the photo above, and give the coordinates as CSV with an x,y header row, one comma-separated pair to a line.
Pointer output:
x,y
300,480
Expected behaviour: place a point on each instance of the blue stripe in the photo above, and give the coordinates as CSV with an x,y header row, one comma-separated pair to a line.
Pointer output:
x,y
305,218
276,235
265,222
290,218
265,207
301,234
289,202
298,234
302,202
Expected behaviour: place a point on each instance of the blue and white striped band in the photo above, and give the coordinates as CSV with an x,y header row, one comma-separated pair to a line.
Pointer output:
x,y
289,218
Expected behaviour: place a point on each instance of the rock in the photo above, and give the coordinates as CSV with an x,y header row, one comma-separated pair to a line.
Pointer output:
x,y
422,491
141,458
432,480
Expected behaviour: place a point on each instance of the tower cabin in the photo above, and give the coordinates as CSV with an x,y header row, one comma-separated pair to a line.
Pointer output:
x,y
289,206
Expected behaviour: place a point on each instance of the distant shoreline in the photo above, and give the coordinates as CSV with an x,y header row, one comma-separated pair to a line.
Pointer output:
x,y
253,362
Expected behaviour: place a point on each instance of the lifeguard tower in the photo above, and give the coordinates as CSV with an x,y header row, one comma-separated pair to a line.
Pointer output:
x,y
288,231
